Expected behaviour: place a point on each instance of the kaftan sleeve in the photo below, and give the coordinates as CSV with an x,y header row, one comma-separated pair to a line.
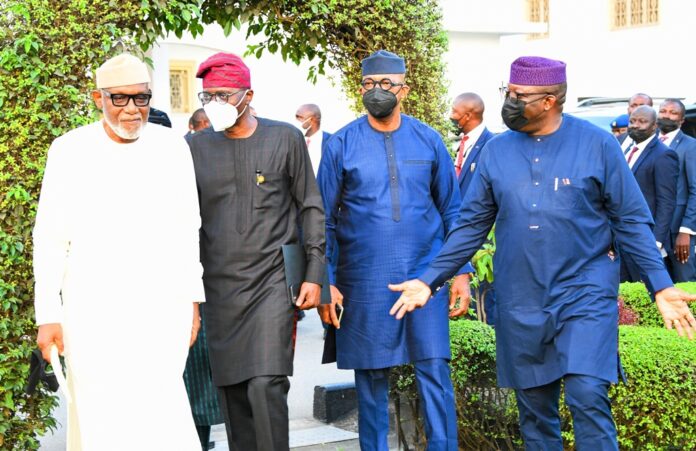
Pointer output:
x,y
331,185
476,217
304,190
630,217
50,236
445,191
190,220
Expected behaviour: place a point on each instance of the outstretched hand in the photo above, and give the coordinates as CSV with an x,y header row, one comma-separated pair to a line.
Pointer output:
x,y
414,294
672,303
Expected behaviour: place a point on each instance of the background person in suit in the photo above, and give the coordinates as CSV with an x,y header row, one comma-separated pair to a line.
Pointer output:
x,y
309,118
467,116
655,167
634,102
681,264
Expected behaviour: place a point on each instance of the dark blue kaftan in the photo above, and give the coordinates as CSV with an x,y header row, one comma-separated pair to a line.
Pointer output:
x,y
558,202
390,198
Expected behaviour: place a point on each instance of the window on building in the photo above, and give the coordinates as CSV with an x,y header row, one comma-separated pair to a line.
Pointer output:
x,y
635,13
538,11
181,85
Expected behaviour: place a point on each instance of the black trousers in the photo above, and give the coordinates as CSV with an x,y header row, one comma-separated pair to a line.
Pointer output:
x,y
256,414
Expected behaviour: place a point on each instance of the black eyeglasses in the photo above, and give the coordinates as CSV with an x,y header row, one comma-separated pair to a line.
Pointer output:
x,y
220,97
122,100
523,96
384,83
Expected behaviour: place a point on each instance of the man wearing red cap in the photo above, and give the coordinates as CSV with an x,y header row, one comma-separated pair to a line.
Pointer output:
x,y
560,193
254,177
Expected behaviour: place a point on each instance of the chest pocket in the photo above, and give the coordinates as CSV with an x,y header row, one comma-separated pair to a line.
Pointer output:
x,y
417,170
566,197
270,191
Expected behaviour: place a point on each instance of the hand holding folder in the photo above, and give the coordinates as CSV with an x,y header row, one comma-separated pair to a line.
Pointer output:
x,y
295,262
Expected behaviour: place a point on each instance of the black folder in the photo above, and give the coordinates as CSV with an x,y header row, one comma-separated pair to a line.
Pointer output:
x,y
295,262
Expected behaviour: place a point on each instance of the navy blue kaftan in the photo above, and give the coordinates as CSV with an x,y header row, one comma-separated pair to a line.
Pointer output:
x,y
390,198
558,201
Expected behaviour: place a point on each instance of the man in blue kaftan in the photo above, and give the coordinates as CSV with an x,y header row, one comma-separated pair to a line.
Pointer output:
x,y
560,193
390,195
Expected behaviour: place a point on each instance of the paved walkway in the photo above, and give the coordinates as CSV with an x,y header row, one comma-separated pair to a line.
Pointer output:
x,y
309,372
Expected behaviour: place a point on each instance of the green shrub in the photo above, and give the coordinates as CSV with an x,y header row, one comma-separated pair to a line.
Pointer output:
x,y
636,297
655,410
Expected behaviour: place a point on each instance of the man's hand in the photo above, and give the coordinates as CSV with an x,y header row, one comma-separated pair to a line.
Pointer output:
x,y
459,289
681,247
309,297
327,313
675,312
414,294
50,334
196,324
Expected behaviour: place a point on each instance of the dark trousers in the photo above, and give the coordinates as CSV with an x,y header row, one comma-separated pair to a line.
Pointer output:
x,y
437,401
682,272
256,414
589,405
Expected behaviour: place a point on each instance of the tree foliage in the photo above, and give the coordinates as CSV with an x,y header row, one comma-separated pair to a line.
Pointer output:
x,y
48,51
333,33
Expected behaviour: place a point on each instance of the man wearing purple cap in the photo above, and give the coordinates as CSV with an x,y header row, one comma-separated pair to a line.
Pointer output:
x,y
254,178
560,192
391,195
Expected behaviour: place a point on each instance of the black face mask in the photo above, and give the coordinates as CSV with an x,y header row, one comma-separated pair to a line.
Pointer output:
x,y
667,125
379,102
638,136
455,126
513,114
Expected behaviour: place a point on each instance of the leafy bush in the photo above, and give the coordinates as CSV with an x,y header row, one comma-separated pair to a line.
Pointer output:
x,y
636,297
655,410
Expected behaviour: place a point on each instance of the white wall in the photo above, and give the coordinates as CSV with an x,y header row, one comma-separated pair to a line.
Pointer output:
x,y
617,63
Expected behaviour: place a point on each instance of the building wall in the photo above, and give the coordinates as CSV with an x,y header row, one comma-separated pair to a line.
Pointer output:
x,y
603,61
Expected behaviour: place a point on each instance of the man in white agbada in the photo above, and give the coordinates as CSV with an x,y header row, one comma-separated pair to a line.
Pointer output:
x,y
118,278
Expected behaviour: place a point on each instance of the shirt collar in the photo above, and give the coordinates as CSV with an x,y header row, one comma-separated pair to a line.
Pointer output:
x,y
475,134
670,136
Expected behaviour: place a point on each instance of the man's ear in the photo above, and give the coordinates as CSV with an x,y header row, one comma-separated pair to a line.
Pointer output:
x,y
249,96
405,89
550,102
98,99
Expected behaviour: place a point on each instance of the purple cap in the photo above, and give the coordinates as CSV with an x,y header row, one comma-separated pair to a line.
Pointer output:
x,y
537,71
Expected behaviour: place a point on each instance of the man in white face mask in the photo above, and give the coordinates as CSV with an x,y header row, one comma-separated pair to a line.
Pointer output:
x,y
308,119
254,178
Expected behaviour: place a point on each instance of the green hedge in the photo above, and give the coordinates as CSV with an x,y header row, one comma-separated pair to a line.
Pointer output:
x,y
636,297
655,410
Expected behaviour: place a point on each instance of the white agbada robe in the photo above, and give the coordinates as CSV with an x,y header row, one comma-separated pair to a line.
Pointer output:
x,y
116,261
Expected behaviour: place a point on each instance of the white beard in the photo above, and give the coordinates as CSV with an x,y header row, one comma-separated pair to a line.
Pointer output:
x,y
122,132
